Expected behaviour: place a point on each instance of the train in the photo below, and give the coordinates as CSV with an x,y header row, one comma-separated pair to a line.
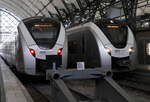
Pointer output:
x,y
39,44
42,41
105,43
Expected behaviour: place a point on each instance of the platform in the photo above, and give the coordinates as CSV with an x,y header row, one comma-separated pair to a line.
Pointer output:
x,y
12,89
143,67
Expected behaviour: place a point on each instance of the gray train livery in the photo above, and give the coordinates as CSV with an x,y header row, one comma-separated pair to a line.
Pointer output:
x,y
108,43
39,43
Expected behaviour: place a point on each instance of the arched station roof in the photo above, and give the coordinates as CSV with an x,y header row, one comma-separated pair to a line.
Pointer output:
x,y
28,8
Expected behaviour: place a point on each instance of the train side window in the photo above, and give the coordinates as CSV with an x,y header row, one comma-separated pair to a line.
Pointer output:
x,y
148,49
76,45
92,55
75,49
82,46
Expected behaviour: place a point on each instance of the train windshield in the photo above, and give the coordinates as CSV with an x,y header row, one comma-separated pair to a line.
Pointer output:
x,y
115,31
45,32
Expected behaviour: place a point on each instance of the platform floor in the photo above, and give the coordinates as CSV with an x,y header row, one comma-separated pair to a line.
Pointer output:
x,y
12,89
143,67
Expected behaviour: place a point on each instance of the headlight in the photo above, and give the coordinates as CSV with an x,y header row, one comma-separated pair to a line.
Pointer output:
x,y
131,49
108,50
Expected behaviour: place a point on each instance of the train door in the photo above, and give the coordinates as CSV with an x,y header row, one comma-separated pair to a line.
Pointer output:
x,y
82,46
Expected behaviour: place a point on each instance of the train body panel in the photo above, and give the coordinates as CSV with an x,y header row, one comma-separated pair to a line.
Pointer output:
x,y
109,55
102,57
39,44
84,43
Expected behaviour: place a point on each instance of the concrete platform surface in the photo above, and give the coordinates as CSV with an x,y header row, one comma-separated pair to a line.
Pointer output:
x,y
14,91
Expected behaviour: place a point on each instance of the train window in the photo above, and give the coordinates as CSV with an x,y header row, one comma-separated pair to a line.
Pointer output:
x,y
116,32
44,31
75,44
148,49
82,46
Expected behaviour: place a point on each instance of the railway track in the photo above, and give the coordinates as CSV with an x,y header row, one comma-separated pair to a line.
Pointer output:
x,y
136,84
38,87
137,79
39,92
132,82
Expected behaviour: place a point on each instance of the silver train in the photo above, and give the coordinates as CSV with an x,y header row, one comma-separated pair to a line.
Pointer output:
x,y
109,44
42,41
39,43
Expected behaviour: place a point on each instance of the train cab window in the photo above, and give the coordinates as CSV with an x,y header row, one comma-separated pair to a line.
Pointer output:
x,y
82,46
115,31
44,32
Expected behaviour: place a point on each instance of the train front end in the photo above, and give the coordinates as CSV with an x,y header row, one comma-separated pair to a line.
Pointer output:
x,y
120,45
45,46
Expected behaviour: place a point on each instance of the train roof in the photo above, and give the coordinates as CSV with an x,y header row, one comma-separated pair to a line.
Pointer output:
x,y
42,18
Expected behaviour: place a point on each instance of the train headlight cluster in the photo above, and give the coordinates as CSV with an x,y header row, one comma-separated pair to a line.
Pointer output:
x,y
108,50
131,49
